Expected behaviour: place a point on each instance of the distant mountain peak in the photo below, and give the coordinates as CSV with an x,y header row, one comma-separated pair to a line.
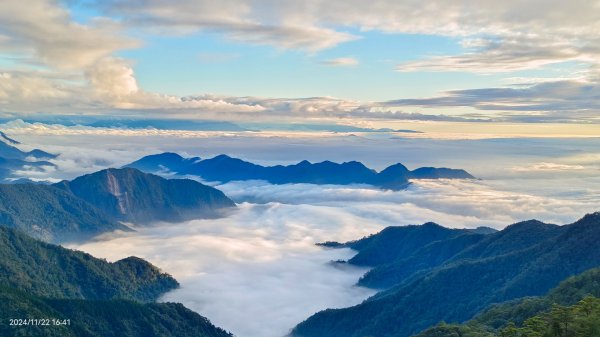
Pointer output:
x,y
432,225
8,139
527,225
223,168
590,217
224,156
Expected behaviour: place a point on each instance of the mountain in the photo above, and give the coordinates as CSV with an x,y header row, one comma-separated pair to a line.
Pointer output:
x,y
578,292
101,318
399,252
9,167
398,241
95,203
162,162
405,267
13,159
223,168
44,281
8,151
130,195
49,270
495,269
7,139
51,214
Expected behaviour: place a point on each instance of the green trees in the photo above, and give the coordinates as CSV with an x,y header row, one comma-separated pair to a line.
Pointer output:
x,y
525,259
48,270
100,318
579,320
41,281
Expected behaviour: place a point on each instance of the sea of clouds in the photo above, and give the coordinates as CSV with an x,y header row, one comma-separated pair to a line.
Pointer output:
x,y
258,272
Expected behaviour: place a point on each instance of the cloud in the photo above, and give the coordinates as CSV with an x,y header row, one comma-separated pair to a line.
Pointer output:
x,y
494,55
109,86
70,67
544,166
556,101
505,36
454,203
257,22
263,259
84,149
341,62
23,88
48,30
113,82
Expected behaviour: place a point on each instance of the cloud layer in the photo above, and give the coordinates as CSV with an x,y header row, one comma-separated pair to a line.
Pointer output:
x,y
262,259
65,65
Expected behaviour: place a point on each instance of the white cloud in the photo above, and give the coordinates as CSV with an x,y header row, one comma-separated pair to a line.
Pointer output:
x,y
341,62
263,259
500,151
504,36
545,166
113,82
47,28
260,260
256,22
82,75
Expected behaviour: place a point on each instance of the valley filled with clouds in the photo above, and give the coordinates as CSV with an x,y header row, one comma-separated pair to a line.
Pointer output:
x,y
257,272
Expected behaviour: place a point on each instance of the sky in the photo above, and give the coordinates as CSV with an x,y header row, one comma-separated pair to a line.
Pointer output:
x,y
507,90
381,62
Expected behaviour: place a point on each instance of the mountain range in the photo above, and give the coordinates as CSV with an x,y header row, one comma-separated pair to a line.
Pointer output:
x,y
52,214
223,168
574,303
13,159
454,278
133,196
99,202
100,299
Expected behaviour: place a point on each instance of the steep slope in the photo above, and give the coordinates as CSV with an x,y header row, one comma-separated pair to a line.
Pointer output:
x,y
51,214
52,271
457,290
224,169
130,195
498,317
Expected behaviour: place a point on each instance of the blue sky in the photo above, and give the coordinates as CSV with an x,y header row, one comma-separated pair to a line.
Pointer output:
x,y
207,63
277,61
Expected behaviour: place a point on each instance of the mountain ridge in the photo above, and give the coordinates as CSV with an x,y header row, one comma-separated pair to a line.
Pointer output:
x,y
459,288
130,195
224,168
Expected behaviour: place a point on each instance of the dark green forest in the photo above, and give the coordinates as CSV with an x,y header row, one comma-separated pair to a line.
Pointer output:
x,y
524,259
101,318
100,299
570,310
